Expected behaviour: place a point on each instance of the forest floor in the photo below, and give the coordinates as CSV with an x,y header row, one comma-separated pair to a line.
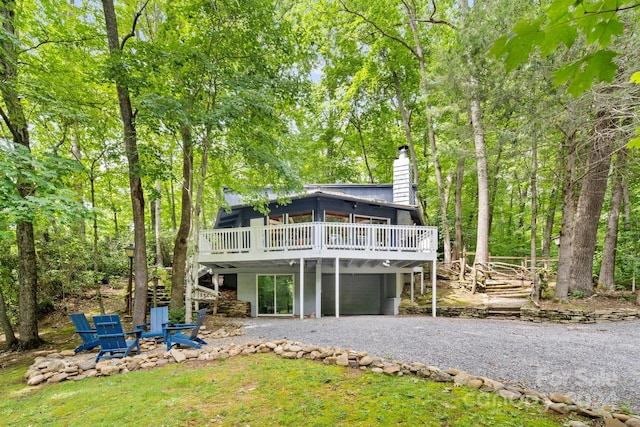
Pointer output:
x,y
57,331
452,293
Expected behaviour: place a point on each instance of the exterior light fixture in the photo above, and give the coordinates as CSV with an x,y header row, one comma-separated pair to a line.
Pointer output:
x,y
130,250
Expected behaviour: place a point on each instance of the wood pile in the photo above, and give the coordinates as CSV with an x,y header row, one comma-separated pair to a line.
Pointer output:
x,y
234,308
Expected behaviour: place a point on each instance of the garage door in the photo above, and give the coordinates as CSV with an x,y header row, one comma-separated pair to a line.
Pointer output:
x,y
359,294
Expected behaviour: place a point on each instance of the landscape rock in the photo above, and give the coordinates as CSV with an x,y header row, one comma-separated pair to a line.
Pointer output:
x,y
343,360
438,375
177,355
55,365
36,379
509,394
365,361
559,398
560,408
58,378
391,369
612,422
474,383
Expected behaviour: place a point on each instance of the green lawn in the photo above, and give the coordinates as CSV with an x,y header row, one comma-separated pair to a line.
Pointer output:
x,y
259,390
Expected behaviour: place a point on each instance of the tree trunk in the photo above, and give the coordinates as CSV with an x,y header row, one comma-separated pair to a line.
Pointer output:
x,y
566,226
482,238
7,328
535,289
78,227
135,184
484,213
181,245
590,202
96,281
608,267
158,225
458,245
15,120
549,221
358,129
196,221
442,197
406,124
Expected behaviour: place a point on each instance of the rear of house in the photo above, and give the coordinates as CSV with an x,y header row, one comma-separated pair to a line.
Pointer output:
x,y
339,249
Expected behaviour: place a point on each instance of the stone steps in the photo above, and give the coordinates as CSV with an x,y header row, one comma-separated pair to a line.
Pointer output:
x,y
524,293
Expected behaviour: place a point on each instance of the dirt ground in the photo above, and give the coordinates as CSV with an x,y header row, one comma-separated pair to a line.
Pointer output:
x,y
57,330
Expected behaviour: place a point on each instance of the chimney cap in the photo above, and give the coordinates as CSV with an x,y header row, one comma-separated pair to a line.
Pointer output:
x,y
402,151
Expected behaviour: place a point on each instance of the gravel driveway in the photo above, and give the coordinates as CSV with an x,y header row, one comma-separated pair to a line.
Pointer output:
x,y
594,363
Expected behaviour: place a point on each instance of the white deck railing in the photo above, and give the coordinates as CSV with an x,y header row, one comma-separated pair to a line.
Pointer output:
x,y
320,236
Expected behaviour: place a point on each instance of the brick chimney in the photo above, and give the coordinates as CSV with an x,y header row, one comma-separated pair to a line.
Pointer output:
x,y
403,191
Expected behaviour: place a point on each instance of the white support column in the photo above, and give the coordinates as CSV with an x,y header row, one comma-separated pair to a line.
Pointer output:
x,y
413,282
216,286
319,289
337,287
433,288
301,288
421,281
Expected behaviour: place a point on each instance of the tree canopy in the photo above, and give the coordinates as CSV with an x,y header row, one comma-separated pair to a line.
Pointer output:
x,y
255,93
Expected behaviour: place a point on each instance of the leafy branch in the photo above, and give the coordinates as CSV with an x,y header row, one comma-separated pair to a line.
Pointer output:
x,y
132,33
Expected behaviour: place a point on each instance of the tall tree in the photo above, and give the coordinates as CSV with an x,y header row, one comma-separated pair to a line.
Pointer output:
x,y
606,278
133,159
14,118
475,108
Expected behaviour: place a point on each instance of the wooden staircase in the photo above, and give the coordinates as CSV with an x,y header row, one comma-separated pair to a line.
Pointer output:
x,y
504,298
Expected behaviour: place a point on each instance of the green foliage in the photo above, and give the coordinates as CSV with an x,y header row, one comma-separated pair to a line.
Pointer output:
x,y
176,316
599,22
47,172
576,294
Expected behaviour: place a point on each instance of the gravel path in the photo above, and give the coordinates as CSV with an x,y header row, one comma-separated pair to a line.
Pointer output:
x,y
594,363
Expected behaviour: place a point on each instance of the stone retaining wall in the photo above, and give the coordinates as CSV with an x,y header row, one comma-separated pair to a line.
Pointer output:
x,y
532,314
446,311
578,316
55,367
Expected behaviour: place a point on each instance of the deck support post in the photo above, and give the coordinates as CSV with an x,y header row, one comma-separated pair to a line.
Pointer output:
x,y
337,287
319,289
413,282
433,288
301,288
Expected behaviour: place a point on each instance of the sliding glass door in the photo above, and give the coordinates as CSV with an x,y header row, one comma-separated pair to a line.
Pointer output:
x,y
275,294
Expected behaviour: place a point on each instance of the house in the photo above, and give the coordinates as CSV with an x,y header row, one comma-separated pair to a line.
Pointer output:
x,y
338,249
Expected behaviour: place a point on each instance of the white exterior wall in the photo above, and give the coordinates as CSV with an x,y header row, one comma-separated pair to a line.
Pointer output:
x,y
377,290
247,291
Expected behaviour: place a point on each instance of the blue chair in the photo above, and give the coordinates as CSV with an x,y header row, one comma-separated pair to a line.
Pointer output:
x,y
173,336
112,337
87,333
158,319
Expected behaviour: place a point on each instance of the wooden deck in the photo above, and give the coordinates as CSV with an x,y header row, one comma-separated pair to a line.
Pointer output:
x,y
319,240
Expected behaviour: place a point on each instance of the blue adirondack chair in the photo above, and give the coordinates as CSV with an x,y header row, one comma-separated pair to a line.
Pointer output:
x,y
158,319
87,333
112,337
174,336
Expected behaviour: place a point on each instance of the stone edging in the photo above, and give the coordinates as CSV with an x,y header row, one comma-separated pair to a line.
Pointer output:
x,y
578,315
56,367
533,314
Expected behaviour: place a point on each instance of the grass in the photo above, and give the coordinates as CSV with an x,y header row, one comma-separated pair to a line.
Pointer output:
x,y
260,390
